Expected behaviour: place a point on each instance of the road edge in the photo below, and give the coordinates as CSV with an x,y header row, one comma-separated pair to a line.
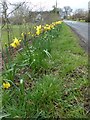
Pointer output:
x,y
82,42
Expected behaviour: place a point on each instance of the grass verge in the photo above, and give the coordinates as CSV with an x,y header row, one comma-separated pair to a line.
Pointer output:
x,y
70,65
58,93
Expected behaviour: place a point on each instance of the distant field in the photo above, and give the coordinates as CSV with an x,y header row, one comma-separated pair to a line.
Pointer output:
x,y
14,31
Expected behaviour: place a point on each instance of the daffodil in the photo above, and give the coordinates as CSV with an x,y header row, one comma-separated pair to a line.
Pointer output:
x,y
52,26
13,45
38,30
6,85
22,34
47,27
16,43
39,27
29,33
6,44
58,22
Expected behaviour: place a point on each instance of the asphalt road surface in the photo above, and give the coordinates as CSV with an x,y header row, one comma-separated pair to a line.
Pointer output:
x,y
80,28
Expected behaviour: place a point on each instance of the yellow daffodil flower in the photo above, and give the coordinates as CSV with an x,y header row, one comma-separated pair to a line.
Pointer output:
x,y
38,30
45,28
58,22
48,27
52,26
6,85
16,43
29,33
22,34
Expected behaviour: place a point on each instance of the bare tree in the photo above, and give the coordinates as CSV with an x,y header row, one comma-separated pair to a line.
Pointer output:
x,y
67,11
80,14
4,12
21,14
5,20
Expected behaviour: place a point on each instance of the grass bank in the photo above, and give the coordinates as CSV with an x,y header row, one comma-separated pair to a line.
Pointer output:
x,y
70,65
60,91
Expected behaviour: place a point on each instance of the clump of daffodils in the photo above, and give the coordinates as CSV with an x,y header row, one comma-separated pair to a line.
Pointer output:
x,y
47,27
58,22
15,43
39,29
6,85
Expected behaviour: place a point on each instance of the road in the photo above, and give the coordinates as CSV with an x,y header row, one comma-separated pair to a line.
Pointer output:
x,y
80,28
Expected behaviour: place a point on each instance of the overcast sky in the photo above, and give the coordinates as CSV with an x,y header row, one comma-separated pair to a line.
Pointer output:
x,y
47,4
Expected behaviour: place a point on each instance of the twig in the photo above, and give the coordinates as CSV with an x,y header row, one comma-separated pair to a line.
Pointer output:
x,y
15,8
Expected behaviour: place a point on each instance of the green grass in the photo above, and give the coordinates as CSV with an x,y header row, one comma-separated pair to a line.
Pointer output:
x,y
66,52
60,91
70,64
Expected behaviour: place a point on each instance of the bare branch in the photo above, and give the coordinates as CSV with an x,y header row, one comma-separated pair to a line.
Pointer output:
x,y
16,8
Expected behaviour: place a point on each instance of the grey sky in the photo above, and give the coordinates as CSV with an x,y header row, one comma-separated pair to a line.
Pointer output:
x,y
47,4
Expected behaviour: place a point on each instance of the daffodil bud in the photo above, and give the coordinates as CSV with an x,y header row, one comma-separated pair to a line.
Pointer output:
x,y
21,81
